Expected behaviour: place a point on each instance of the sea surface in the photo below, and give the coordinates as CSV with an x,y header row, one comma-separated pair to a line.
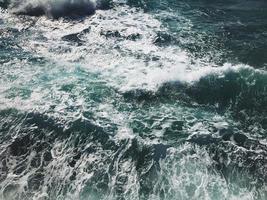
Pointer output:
x,y
133,100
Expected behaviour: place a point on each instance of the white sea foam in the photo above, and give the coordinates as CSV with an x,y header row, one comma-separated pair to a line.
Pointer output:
x,y
118,62
104,61
124,64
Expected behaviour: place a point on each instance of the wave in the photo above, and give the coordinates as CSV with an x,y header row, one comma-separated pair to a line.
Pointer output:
x,y
239,90
57,9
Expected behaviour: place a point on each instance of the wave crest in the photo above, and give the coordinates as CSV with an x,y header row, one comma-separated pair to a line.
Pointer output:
x,y
59,8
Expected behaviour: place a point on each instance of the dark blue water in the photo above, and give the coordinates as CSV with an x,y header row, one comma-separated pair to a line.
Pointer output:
x,y
137,99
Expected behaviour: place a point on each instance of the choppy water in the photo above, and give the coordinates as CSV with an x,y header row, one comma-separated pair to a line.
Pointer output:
x,y
137,99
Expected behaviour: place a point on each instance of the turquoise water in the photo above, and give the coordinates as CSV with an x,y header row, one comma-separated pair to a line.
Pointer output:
x,y
137,99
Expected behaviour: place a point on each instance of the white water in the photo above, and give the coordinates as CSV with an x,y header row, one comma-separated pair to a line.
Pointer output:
x,y
123,65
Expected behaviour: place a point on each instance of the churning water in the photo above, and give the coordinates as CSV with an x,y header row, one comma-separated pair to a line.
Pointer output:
x,y
133,99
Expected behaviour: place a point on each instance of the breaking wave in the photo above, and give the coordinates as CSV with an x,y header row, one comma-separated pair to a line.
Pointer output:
x,y
239,91
56,8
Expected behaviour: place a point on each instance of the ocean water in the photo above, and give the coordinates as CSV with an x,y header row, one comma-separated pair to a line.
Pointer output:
x,y
133,99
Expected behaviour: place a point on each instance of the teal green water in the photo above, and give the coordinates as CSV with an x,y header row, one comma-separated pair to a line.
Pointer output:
x,y
136,99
